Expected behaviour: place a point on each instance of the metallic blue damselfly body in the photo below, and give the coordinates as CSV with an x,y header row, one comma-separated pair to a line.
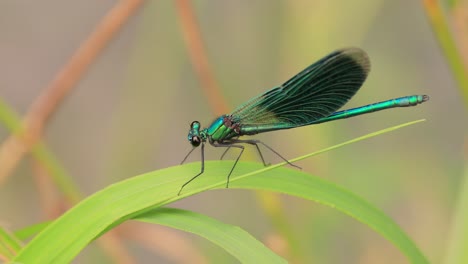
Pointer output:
x,y
311,97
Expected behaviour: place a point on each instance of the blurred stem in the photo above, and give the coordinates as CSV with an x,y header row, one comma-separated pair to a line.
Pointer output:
x,y
457,251
197,53
40,152
13,149
26,135
449,48
149,236
451,3
457,248
272,205
111,242
9,244
194,43
49,198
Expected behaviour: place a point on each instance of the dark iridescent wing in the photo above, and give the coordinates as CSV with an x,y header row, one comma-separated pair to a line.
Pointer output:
x,y
316,92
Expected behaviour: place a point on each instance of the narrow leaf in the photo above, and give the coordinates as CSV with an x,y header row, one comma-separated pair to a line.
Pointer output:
x,y
233,239
63,239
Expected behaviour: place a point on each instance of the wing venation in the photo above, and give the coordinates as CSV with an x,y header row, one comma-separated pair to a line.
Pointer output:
x,y
314,93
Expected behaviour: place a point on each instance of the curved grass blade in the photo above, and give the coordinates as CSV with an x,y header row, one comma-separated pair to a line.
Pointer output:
x,y
63,239
233,239
31,230
9,244
327,193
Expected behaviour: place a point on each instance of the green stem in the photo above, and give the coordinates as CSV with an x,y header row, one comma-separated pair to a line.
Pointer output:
x,y
443,34
9,244
458,241
58,174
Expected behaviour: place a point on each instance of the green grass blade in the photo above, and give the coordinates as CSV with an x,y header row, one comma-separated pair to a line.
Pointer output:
x,y
31,230
9,244
302,185
5,252
233,239
456,249
63,239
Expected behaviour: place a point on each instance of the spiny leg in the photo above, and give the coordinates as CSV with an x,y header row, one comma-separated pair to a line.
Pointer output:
x,y
188,154
224,145
202,167
256,142
224,153
259,153
256,146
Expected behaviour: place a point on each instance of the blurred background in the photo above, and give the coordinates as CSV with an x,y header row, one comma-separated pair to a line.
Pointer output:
x,y
130,114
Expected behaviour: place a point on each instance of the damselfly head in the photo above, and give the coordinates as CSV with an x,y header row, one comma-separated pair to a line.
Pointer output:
x,y
194,134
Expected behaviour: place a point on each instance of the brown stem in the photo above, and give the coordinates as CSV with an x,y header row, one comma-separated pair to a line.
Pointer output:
x,y
175,247
195,47
15,147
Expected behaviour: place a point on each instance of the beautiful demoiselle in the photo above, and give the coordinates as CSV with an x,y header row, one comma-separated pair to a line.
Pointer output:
x,y
311,97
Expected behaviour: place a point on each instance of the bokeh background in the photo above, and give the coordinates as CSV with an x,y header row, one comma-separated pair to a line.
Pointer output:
x,y
130,114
